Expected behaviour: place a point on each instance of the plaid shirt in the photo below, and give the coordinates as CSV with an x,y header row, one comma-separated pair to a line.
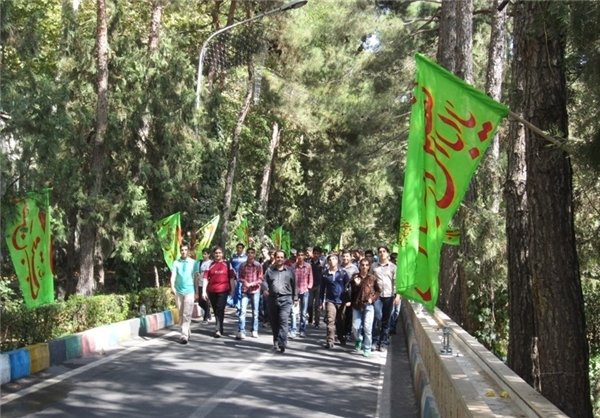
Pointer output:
x,y
251,275
304,277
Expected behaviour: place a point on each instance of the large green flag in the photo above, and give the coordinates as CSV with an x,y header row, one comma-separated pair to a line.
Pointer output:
x,y
205,235
169,235
242,232
30,246
451,126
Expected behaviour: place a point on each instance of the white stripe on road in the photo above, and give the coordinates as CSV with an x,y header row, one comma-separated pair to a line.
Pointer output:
x,y
57,379
224,394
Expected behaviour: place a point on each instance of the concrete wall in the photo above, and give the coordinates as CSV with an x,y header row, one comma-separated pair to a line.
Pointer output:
x,y
22,362
471,381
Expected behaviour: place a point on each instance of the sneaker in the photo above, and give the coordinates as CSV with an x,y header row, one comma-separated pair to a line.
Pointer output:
x,y
329,346
204,322
292,335
383,348
254,334
275,345
183,340
317,326
282,348
357,345
367,353
302,334
217,334
241,335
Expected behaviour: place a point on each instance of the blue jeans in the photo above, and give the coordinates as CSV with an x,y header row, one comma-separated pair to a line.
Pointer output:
x,y
362,325
303,298
253,298
381,324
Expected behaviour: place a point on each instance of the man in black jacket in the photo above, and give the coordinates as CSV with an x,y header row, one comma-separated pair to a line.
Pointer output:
x,y
281,292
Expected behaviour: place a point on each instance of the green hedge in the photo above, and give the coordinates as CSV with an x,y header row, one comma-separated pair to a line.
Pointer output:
x,y
20,326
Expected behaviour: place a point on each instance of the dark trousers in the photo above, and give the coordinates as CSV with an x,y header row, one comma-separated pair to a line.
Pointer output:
x,y
383,316
205,305
314,307
279,315
218,302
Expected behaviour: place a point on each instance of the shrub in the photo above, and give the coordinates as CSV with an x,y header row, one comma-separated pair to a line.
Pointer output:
x,y
21,326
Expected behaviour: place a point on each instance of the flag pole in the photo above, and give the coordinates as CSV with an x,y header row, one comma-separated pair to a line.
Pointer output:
x,y
537,130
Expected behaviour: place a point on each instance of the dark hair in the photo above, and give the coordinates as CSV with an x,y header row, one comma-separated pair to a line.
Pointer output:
x,y
331,256
387,250
369,252
251,249
240,243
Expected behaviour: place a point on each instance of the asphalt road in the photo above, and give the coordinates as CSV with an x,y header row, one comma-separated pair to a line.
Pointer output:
x,y
158,377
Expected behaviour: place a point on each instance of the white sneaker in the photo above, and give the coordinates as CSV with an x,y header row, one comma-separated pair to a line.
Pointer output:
x,y
254,334
241,335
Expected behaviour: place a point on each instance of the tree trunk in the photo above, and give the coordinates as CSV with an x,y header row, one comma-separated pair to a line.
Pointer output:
x,y
86,284
153,42
540,38
233,155
265,184
493,87
447,35
522,357
453,280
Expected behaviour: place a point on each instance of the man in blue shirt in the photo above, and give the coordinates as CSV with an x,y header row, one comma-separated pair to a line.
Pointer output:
x,y
185,287
237,260
333,296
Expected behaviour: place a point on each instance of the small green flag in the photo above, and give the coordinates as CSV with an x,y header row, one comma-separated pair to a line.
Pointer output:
x,y
205,235
242,232
29,243
169,235
286,244
277,238
451,126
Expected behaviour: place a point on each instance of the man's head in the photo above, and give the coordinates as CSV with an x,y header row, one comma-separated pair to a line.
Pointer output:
x,y
185,251
369,255
332,261
384,253
308,252
251,253
239,248
300,257
279,259
346,258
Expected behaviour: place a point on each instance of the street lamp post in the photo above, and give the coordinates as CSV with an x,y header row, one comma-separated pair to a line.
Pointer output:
x,y
289,6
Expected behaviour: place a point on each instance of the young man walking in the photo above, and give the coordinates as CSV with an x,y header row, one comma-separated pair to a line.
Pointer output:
x,y
184,287
250,276
281,291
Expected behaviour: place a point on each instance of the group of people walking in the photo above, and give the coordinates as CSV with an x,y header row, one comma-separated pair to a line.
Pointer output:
x,y
355,293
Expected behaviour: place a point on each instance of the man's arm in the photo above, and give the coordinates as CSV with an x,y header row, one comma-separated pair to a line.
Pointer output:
x,y
173,276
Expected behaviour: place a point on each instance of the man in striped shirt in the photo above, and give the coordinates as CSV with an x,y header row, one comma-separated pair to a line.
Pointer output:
x,y
250,277
304,283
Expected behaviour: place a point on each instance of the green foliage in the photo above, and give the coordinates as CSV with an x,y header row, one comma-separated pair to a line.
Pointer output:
x,y
21,326
595,383
156,299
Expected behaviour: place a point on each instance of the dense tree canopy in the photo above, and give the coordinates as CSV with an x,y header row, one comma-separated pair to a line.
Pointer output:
x,y
332,80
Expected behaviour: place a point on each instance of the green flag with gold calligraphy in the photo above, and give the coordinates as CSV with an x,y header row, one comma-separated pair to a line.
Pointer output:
x,y
29,243
205,235
169,235
451,126
242,232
